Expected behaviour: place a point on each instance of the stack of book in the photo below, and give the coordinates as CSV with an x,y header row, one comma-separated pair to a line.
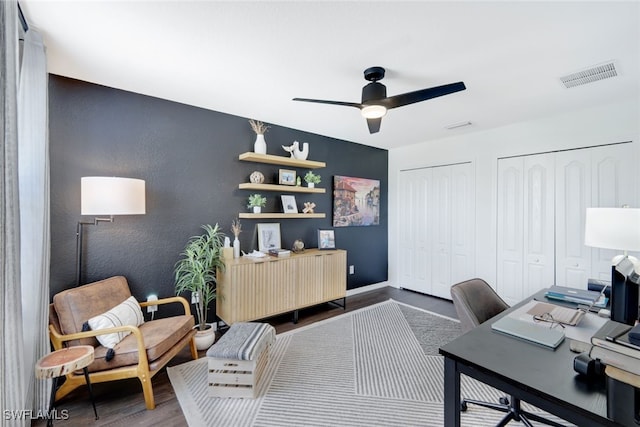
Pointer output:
x,y
576,296
279,252
611,345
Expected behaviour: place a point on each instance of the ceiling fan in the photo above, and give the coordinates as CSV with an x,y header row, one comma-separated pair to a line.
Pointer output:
x,y
375,102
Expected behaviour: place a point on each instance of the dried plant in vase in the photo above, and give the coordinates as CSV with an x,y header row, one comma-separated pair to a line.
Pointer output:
x,y
236,229
260,146
258,127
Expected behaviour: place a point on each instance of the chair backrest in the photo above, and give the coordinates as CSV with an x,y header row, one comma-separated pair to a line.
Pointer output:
x,y
475,302
77,305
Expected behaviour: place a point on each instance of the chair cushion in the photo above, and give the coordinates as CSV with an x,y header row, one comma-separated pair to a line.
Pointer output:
x,y
125,313
77,305
159,336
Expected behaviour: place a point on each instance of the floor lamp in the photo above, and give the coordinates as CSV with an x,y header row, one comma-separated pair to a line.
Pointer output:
x,y
619,229
111,196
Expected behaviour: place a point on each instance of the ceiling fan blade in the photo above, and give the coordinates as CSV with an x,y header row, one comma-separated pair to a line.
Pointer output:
x,y
374,125
421,95
320,101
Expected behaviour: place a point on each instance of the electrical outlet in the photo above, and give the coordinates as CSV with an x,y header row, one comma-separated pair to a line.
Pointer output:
x,y
352,269
152,308
195,298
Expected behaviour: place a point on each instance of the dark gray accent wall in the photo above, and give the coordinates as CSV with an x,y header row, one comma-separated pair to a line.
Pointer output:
x,y
188,157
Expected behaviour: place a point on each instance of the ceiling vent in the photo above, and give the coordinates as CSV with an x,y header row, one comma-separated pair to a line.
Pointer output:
x,y
590,75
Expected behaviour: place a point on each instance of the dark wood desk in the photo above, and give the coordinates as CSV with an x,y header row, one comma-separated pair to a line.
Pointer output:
x,y
537,375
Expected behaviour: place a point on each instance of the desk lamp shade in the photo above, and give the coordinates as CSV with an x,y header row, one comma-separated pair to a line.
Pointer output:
x,y
618,229
112,196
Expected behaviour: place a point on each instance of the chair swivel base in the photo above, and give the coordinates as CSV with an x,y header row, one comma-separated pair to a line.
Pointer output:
x,y
513,410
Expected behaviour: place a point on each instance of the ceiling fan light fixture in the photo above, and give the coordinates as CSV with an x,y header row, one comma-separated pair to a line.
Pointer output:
x,y
373,111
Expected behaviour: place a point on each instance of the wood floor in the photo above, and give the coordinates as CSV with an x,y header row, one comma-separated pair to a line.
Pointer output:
x,y
120,403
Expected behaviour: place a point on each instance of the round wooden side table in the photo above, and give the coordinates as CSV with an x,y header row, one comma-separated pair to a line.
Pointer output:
x,y
59,363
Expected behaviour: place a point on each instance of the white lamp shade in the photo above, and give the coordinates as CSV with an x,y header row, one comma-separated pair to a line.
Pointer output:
x,y
613,228
101,195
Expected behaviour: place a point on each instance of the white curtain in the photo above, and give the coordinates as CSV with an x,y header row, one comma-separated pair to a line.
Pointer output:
x,y
33,172
12,365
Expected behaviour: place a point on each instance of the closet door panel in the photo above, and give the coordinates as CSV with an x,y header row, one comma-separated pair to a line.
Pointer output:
x,y
441,213
462,230
573,196
612,186
415,252
510,233
539,233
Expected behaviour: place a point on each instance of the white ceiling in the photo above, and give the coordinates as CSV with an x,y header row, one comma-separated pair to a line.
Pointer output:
x,y
249,58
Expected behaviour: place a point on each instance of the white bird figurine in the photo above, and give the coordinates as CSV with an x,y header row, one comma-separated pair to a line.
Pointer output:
x,y
291,149
300,155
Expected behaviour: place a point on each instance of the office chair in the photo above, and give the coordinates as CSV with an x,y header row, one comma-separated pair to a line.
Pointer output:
x,y
476,302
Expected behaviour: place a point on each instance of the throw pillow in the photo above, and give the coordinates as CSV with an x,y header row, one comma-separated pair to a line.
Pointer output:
x,y
125,313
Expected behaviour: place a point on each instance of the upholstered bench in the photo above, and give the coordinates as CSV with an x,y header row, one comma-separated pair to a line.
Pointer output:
x,y
238,360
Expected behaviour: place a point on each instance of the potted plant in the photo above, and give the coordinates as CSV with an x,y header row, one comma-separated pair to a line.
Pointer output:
x,y
311,179
257,202
195,272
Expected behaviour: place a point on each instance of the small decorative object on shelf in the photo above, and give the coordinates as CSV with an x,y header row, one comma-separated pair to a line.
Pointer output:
x,y
298,246
279,253
311,179
236,229
308,207
298,181
260,146
257,202
256,177
295,152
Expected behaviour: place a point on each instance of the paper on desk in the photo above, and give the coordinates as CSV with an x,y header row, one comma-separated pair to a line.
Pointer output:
x,y
583,332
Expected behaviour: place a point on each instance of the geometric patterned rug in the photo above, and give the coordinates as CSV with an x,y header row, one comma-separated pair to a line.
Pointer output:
x,y
378,366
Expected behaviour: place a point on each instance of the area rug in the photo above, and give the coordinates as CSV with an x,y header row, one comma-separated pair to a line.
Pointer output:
x,y
378,366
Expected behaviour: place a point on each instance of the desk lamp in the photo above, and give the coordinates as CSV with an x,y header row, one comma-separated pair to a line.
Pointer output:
x,y
107,196
618,228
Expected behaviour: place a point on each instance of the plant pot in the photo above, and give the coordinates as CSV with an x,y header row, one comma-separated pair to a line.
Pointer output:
x,y
257,209
311,184
205,339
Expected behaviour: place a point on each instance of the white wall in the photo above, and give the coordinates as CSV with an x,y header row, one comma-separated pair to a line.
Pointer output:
x,y
590,127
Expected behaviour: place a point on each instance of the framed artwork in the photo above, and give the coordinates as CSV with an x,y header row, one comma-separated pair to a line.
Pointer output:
x,y
286,177
268,237
326,239
356,201
289,204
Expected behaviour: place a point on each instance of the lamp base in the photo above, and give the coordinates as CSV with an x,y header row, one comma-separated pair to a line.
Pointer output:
x,y
624,293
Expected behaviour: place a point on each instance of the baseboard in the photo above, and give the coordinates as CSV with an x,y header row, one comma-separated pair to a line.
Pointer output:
x,y
367,288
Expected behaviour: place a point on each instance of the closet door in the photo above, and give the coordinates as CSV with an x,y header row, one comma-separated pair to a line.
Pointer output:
x,y
525,226
539,218
612,186
573,196
591,177
462,226
510,229
437,235
441,225
415,231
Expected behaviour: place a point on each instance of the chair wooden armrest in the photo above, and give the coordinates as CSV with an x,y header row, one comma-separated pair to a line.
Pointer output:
x,y
169,300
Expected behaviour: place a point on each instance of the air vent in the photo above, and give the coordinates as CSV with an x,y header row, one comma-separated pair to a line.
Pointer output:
x,y
590,75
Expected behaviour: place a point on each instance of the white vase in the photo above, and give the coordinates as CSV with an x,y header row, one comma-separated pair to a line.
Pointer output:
x,y
257,209
260,146
236,248
311,184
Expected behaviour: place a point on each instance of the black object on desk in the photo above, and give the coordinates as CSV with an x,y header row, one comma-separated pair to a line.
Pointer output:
x,y
534,374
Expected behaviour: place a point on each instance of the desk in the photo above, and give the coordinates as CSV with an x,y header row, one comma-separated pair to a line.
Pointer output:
x,y
545,378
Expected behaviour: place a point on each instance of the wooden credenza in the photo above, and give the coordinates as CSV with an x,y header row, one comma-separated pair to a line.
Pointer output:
x,y
255,289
